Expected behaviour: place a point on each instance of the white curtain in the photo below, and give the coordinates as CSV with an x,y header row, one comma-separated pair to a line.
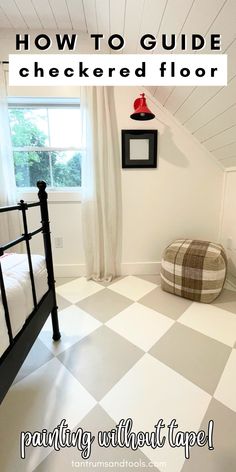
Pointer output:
x,y
9,223
101,184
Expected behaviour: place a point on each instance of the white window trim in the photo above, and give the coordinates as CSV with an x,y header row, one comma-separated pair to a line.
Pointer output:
x,y
35,102
58,195
45,149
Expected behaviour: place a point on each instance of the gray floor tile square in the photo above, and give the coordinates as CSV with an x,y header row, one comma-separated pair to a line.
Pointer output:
x,y
104,305
154,278
99,360
40,400
197,357
64,280
38,355
166,303
96,420
226,301
223,457
62,303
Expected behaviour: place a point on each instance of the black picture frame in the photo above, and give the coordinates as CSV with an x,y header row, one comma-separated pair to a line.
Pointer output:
x,y
148,147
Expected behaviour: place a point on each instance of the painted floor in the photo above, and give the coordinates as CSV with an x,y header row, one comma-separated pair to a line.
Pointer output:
x,y
128,350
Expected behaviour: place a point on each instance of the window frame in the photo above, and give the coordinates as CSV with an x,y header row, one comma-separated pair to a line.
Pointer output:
x,y
55,193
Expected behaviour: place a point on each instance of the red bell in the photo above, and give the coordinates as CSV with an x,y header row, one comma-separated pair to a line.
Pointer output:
x,y
142,111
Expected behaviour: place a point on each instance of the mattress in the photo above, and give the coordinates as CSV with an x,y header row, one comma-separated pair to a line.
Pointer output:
x,y
19,291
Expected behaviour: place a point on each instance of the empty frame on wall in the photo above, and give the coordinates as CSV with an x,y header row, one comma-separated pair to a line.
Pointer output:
x,y
139,148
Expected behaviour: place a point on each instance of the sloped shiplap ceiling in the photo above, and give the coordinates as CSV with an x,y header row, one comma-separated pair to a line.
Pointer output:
x,y
209,113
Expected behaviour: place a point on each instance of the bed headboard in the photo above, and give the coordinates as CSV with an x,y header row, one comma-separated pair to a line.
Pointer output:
x,y
23,207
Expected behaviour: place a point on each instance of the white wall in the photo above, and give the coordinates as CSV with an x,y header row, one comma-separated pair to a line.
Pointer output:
x,y
228,229
181,198
65,222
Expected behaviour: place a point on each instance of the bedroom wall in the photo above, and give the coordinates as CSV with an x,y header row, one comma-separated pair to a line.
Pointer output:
x,y
228,228
65,222
181,198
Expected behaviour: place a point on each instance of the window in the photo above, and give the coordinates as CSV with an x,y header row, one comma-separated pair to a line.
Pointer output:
x,y
46,142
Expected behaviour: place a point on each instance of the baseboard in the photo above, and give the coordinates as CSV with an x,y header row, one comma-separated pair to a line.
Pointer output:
x,y
140,268
230,285
69,270
127,268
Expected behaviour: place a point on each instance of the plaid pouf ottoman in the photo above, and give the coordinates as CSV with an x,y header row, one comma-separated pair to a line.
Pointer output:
x,y
194,269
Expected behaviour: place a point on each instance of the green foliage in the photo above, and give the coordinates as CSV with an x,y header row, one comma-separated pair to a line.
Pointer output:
x,y
68,175
31,166
24,131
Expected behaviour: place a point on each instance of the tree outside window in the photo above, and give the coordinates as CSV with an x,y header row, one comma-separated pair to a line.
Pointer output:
x,y
46,145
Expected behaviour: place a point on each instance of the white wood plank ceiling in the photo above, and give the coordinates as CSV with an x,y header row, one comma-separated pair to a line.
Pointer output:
x,y
209,113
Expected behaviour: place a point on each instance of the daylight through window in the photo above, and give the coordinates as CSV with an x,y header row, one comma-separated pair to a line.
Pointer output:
x,y
46,142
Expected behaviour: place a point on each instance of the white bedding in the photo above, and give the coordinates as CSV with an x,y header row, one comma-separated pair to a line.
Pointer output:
x,y
19,292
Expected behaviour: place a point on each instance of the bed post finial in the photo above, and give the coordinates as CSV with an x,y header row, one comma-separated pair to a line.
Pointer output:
x,y
41,184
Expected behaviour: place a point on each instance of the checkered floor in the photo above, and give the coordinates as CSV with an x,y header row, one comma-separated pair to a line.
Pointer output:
x,y
127,350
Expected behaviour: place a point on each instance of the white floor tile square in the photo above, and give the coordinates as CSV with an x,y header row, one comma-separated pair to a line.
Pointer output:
x,y
41,400
74,323
226,389
140,325
212,321
78,289
132,287
151,391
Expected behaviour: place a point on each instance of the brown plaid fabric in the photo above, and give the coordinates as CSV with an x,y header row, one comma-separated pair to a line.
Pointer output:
x,y
194,269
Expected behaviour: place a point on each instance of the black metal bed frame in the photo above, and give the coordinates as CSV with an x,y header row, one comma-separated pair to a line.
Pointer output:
x,y
20,345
